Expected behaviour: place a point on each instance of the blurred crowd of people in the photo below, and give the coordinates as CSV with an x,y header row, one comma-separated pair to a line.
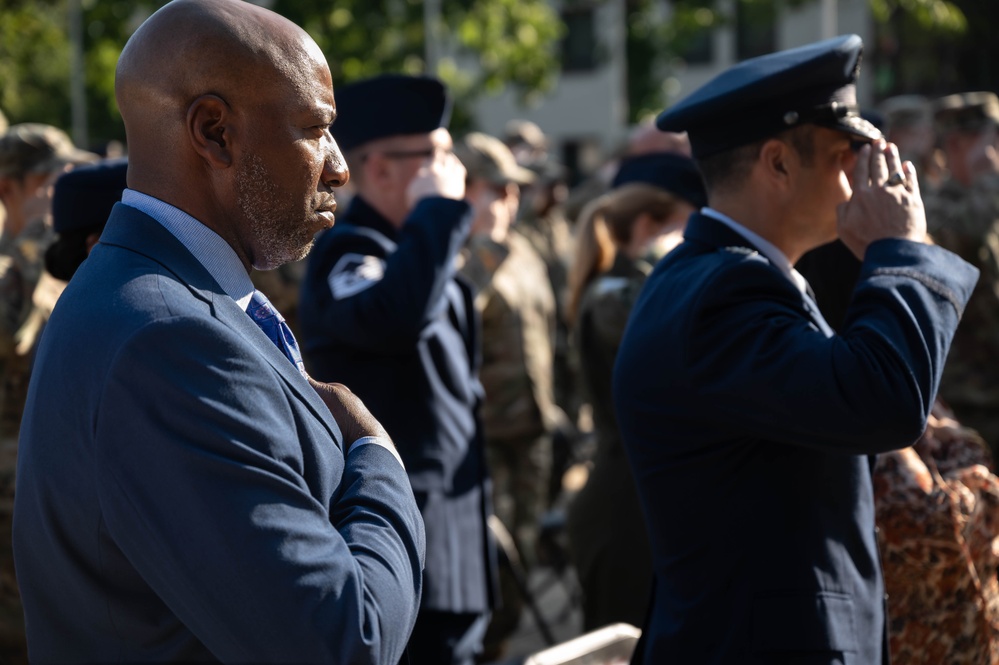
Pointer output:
x,y
552,269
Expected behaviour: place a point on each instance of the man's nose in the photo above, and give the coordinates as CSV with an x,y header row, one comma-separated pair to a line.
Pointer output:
x,y
335,171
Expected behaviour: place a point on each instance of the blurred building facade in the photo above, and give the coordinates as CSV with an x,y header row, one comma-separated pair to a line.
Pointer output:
x,y
586,116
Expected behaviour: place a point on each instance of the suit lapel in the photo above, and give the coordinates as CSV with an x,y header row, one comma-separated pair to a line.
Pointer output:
x,y
136,231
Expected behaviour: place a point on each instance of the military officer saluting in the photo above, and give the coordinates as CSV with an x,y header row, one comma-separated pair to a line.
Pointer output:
x,y
383,312
731,387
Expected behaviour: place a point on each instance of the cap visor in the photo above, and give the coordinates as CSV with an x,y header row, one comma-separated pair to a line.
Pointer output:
x,y
858,127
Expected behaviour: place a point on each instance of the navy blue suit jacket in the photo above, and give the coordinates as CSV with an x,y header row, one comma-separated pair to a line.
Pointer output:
x,y
182,491
748,425
383,312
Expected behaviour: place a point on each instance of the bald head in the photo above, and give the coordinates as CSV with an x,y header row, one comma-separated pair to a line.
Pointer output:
x,y
227,108
232,49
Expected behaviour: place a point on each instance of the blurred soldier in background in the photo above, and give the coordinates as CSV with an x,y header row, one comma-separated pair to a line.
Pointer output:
x,y
527,142
620,236
908,123
383,312
32,156
962,215
517,308
644,138
543,223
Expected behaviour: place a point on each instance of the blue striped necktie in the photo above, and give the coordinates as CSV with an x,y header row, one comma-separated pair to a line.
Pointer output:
x,y
274,326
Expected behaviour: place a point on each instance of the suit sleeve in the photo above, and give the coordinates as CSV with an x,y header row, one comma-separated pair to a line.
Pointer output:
x,y
387,309
212,485
757,359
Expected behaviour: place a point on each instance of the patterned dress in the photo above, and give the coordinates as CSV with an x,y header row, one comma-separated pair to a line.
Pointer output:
x,y
938,512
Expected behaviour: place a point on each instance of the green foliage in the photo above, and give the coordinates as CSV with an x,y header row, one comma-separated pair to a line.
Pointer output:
x,y
484,45
931,15
655,46
34,61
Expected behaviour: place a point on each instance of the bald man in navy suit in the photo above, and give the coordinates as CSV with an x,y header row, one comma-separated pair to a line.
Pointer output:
x,y
185,492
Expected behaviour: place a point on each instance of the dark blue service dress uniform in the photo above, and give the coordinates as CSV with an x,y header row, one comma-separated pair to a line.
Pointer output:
x,y
748,425
383,312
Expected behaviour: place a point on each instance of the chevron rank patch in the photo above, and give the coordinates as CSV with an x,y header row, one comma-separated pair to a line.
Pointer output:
x,y
354,273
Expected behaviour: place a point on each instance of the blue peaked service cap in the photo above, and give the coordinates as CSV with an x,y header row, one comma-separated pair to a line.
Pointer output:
x,y
388,105
670,171
761,97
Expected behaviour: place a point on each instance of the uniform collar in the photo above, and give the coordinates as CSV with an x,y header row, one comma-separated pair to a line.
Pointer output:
x,y
361,213
776,257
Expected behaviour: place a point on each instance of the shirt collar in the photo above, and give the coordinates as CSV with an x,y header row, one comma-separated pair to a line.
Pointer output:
x,y
767,249
208,247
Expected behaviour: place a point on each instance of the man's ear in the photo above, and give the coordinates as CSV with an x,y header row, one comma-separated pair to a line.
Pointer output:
x,y
209,126
775,160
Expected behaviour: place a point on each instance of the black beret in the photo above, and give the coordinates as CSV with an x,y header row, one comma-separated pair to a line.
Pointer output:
x,y
83,198
764,96
389,105
673,172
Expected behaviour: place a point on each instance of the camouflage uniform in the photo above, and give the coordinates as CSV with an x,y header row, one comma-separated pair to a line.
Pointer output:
x,y
608,541
21,261
27,151
551,238
517,310
937,509
518,414
966,221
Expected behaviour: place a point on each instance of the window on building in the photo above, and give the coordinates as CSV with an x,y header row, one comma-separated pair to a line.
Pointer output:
x,y
579,46
755,28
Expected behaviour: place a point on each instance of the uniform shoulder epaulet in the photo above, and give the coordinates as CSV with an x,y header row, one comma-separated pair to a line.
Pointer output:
x,y
740,249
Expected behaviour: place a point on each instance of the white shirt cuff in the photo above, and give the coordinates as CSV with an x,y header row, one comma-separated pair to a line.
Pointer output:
x,y
378,441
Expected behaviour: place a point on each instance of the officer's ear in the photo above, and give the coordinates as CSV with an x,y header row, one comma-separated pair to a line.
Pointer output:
x,y
210,129
775,161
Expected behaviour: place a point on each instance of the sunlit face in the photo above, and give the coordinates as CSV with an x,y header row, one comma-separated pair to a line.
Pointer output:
x,y
823,184
391,163
285,179
658,238
405,154
493,205
27,198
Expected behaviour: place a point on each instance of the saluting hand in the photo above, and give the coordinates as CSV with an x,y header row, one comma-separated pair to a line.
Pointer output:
x,y
881,207
443,174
